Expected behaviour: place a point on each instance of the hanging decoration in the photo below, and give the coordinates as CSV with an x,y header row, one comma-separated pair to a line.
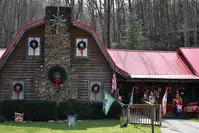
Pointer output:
x,y
57,75
81,46
34,44
18,87
95,89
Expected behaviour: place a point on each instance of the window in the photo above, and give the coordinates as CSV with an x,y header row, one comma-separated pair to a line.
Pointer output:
x,y
81,47
17,89
95,91
33,46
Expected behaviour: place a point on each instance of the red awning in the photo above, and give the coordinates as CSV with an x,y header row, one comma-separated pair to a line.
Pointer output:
x,y
191,56
151,64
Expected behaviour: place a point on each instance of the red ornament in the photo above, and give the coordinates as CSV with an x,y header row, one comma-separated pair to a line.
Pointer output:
x,y
57,81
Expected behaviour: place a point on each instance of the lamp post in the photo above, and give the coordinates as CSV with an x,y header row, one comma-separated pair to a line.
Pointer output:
x,y
152,101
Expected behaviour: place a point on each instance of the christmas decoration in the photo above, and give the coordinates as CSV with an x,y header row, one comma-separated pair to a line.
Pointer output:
x,y
18,87
18,117
57,75
71,120
81,46
58,20
34,44
95,89
178,103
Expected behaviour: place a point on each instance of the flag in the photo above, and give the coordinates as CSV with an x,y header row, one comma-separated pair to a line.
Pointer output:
x,y
114,84
108,101
164,102
131,99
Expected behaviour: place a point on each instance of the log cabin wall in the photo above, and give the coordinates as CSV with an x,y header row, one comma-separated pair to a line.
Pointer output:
x,y
20,66
93,68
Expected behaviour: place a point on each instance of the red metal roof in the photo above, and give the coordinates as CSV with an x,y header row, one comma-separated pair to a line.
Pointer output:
x,y
191,55
137,64
151,64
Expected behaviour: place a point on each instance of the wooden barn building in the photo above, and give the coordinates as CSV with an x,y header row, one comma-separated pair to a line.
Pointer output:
x,y
58,58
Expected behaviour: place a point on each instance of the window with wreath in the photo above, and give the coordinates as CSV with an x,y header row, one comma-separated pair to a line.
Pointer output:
x,y
17,89
34,46
95,91
81,47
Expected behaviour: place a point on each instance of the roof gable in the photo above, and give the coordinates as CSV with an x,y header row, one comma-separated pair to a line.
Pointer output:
x,y
78,24
191,56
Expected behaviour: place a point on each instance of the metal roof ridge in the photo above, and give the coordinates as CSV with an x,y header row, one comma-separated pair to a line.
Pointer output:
x,y
154,51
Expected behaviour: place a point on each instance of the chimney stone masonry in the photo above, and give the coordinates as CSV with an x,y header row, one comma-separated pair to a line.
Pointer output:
x,y
56,81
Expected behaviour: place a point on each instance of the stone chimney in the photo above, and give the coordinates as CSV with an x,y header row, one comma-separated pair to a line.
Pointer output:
x,y
54,80
57,36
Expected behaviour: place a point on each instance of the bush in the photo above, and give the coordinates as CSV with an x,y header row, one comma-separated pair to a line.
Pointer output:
x,y
72,107
2,119
33,110
49,110
86,110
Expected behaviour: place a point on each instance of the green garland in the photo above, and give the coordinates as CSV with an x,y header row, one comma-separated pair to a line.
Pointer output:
x,y
57,69
95,86
79,44
20,87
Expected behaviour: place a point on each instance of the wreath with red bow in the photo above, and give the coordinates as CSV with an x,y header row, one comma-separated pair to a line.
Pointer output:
x,y
34,44
81,46
18,87
95,89
57,75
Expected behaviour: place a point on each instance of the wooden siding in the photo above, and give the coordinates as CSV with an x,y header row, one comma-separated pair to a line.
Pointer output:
x,y
23,67
93,68
20,66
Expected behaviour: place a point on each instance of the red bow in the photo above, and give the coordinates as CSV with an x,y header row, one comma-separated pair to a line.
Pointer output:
x,y
95,94
81,49
18,91
57,81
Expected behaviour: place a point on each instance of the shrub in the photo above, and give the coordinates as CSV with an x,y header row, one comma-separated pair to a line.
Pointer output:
x,y
33,110
2,119
49,110
86,110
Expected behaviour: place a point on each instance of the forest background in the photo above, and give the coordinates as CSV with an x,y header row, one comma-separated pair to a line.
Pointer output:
x,y
126,24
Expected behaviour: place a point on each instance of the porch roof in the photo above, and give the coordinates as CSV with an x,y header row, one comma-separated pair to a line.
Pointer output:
x,y
191,56
151,64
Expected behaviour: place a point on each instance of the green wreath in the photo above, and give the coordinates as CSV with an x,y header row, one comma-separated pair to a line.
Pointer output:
x,y
34,42
95,86
79,44
57,69
20,87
